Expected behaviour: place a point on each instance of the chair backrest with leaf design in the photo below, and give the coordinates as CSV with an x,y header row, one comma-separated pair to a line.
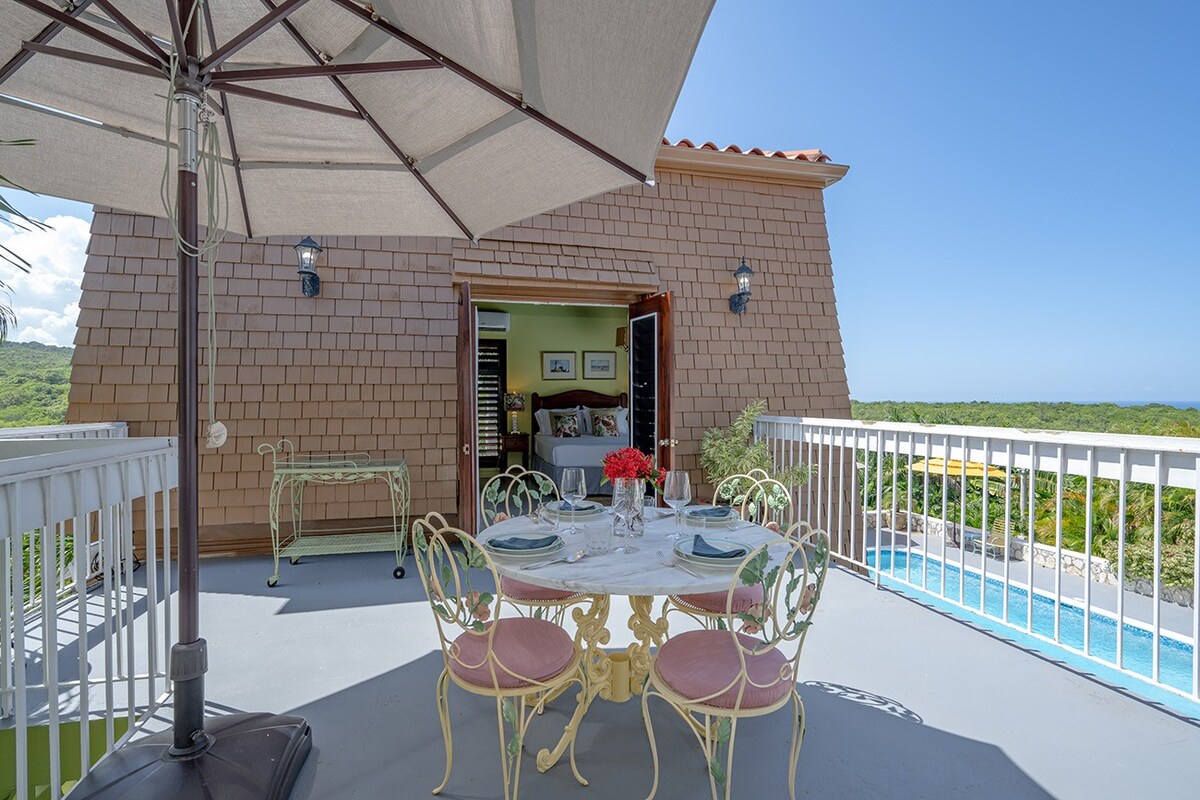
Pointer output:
x,y
460,585
792,575
515,492
757,497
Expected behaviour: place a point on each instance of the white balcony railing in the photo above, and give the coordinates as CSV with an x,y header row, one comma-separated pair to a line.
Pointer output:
x,y
83,430
1112,572
86,587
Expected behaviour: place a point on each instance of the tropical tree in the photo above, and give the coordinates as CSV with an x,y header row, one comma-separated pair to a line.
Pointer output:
x,y
9,215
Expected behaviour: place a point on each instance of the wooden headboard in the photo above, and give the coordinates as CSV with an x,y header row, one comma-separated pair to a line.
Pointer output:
x,y
579,397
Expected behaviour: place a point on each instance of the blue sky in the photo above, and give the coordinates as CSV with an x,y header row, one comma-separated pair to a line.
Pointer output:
x,y
1021,216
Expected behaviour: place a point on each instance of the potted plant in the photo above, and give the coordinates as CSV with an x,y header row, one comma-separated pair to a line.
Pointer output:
x,y
733,451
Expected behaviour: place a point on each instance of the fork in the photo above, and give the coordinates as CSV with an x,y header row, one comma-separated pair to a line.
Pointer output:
x,y
669,562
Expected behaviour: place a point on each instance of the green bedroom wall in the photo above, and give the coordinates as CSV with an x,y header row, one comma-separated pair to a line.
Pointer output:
x,y
535,327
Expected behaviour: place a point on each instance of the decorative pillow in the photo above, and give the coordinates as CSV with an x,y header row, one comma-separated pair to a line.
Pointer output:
x,y
622,415
564,423
604,423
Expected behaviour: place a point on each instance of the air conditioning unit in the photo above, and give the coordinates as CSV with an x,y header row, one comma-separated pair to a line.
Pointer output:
x,y
493,321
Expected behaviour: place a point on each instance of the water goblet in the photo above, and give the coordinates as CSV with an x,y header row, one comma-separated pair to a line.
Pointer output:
x,y
677,493
574,489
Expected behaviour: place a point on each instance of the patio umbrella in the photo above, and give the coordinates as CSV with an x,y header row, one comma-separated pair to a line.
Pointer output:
x,y
419,117
954,468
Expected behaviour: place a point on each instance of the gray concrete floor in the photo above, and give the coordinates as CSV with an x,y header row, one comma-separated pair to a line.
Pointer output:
x,y
902,702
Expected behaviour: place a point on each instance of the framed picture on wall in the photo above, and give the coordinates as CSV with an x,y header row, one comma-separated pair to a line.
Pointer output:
x,y
599,366
558,365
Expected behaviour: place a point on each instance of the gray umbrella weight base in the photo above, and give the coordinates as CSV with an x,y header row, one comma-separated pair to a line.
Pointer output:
x,y
247,757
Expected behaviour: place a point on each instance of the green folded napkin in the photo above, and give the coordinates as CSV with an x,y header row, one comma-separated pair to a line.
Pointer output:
x,y
518,543
705,550
716,512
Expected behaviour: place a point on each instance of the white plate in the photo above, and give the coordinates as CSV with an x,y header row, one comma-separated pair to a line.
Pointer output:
x,y
695,520
535,553
586,508
683,549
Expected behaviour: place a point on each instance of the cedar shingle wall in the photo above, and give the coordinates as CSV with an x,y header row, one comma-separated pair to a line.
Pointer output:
x,y
370,364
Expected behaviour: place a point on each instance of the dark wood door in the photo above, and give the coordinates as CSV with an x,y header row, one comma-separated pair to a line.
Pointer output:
x,y
468,462
652,378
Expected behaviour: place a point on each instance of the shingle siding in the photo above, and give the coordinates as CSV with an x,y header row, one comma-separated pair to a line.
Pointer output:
x,y
370,364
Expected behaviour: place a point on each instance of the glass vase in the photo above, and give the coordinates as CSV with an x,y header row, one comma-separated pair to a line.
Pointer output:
x,y
629,505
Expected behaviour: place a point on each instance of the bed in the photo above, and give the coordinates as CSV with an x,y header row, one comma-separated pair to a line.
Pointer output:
x,y
553,454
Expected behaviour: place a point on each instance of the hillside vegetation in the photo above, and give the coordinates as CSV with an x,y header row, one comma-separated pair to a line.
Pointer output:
x,y
963,500
1151,419
34,382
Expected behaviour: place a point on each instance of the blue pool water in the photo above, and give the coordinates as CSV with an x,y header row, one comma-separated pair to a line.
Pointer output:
x,y
1175,658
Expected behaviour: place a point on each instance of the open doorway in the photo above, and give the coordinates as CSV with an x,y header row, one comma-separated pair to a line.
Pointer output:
x,y
555,385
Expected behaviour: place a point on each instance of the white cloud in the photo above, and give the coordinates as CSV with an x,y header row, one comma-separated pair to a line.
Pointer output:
x,y
46,299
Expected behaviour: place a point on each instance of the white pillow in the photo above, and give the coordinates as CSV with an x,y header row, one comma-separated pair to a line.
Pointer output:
x,y
623,421
542,417
585,421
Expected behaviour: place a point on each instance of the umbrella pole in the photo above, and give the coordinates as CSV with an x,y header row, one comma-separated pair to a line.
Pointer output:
x,y
247,756
189,659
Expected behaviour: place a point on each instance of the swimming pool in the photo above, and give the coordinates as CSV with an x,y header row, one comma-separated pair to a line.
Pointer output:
x,y
1175,657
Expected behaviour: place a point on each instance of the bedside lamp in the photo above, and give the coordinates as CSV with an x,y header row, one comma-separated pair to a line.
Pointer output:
x,y
514,402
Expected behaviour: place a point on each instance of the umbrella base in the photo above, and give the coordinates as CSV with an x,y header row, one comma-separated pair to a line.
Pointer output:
x,y
251,757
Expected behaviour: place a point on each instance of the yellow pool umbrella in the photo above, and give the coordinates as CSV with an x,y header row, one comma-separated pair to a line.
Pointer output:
x,y
975,469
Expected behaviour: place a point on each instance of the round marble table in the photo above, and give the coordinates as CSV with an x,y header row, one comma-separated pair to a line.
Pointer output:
x,y
639,576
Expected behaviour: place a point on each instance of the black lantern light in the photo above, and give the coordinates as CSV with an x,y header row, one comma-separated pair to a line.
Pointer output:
x,y
307,252
741,298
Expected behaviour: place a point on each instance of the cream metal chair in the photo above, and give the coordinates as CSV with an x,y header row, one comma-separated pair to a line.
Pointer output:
x,y
711,608
517,492
519,661
712,679
758,498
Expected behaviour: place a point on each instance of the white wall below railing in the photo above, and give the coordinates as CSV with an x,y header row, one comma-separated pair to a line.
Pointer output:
x,y
849,455
86,628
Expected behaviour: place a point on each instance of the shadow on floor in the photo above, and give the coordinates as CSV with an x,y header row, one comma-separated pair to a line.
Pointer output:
x,y
317,583
381,738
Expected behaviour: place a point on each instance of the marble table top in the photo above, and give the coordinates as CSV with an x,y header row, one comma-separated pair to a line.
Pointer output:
x,y
637,573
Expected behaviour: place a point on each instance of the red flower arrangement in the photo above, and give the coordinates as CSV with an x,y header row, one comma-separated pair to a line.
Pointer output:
x,y
629,462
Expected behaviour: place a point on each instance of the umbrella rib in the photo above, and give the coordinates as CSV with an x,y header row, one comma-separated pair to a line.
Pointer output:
x,y
90,58
277,14
177,31
322,70
44,36
92,33
133,30
233,151
373,18
405,159
281,99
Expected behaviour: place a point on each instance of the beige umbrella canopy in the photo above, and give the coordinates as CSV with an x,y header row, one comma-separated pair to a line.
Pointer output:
x,y
405,117
420,117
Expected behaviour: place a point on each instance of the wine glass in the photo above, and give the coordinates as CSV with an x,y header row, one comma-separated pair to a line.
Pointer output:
x,y
677,493
574,489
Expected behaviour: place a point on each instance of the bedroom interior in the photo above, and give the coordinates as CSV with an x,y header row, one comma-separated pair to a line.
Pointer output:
x,y
538,360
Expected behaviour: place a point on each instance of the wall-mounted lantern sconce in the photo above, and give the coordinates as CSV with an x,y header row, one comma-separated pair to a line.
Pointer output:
x,y
307,252
741,298
623,338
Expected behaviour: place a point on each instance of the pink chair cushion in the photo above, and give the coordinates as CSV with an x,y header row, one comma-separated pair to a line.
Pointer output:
x,y
697,664
520,590
532,648
714,602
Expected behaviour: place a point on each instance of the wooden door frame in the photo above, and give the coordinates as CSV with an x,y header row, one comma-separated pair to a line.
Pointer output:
x,y
466,366
468,461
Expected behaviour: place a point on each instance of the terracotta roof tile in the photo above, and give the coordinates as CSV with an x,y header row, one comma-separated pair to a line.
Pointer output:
x,y
793,155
